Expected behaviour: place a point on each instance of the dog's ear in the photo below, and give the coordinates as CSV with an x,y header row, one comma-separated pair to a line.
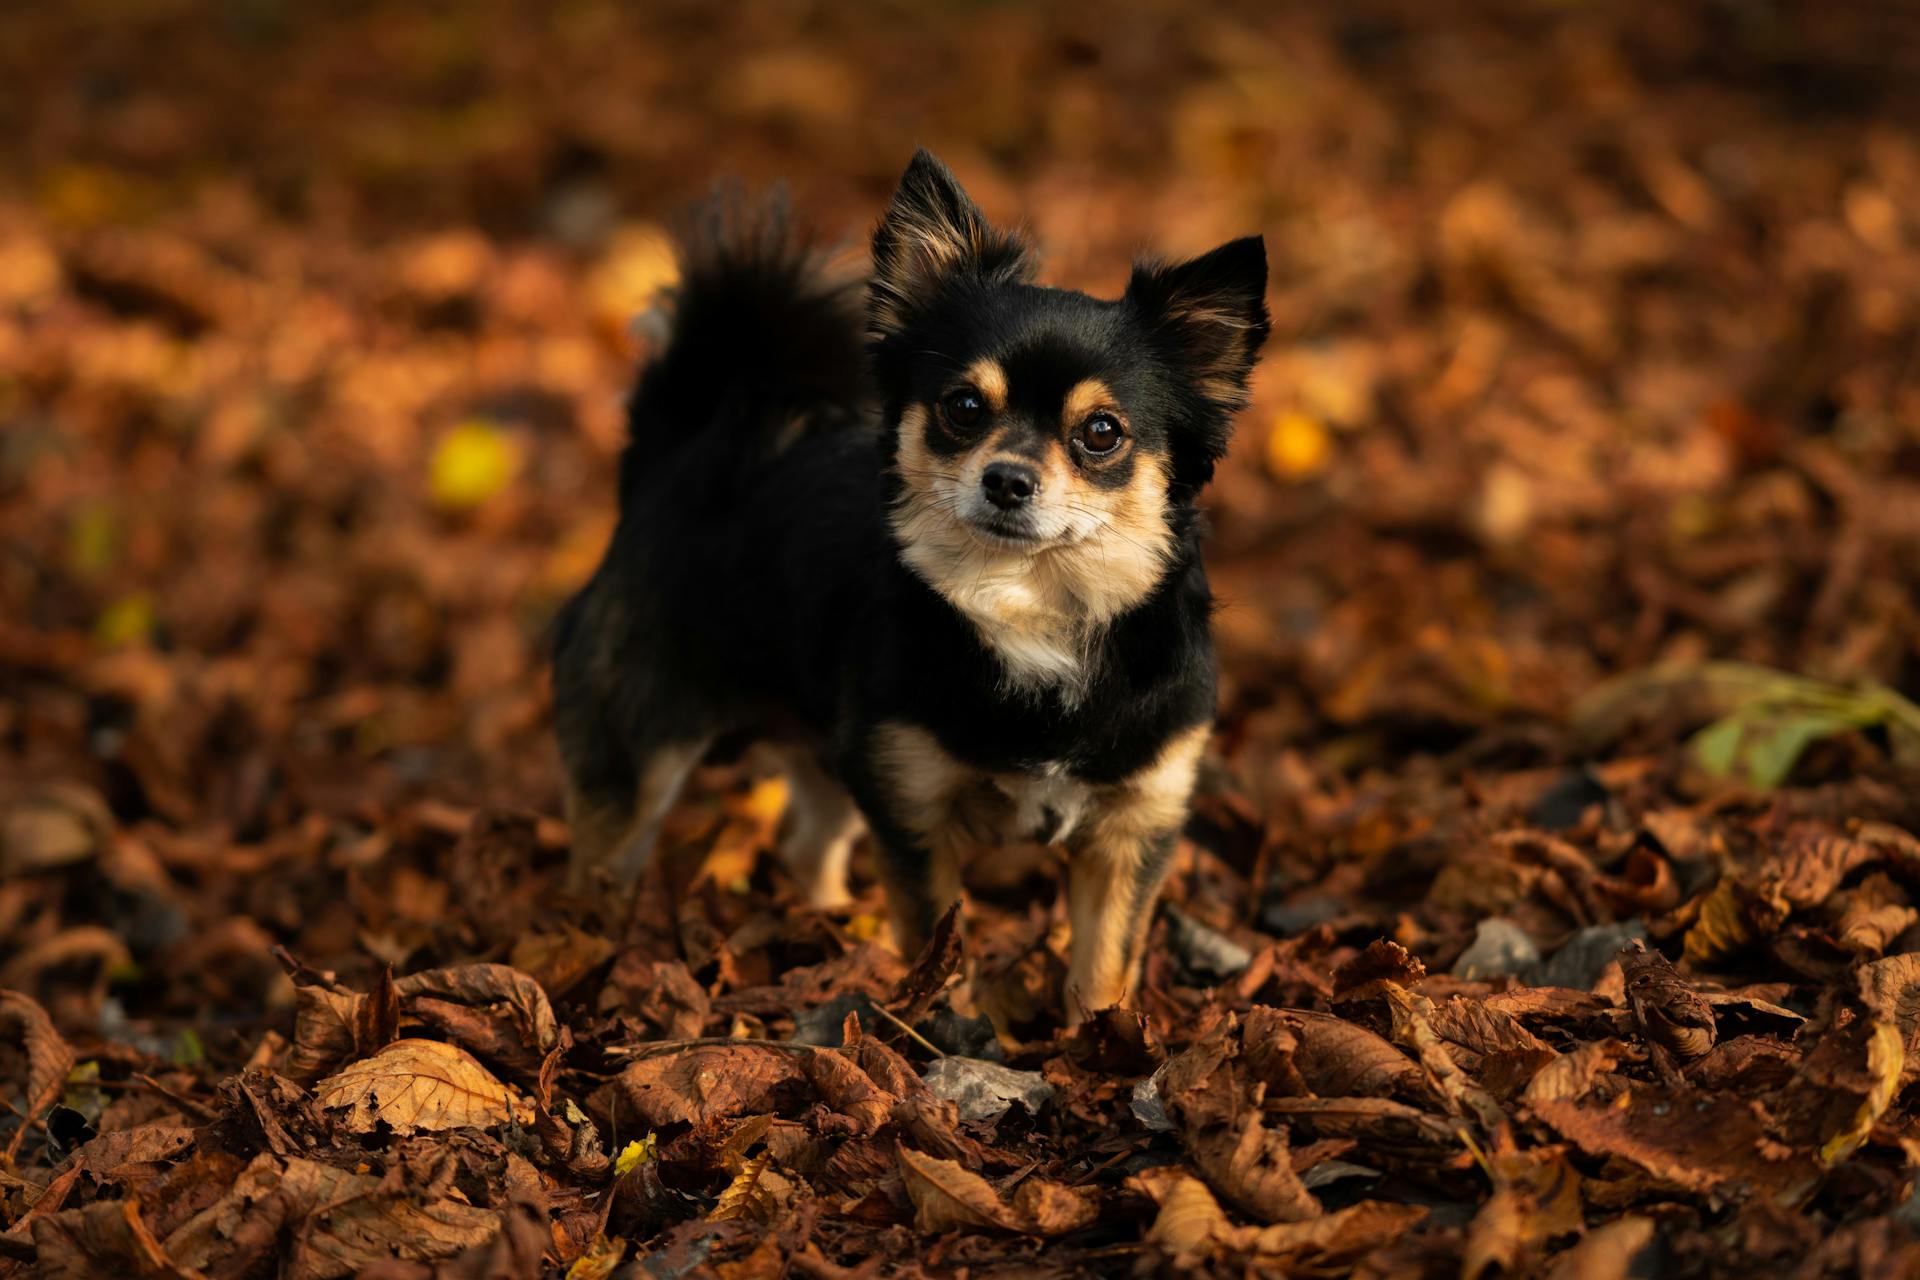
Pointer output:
x,y
1211,314
932,234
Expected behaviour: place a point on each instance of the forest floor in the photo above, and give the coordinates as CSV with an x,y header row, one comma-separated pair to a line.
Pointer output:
x,y
1568,560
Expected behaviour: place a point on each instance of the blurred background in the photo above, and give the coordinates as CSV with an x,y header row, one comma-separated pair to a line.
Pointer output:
x,y
1595,347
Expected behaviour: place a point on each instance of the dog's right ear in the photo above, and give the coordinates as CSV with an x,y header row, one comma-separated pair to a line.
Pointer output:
x,y
933,234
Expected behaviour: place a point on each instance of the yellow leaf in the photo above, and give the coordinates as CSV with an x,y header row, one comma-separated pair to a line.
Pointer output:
x,y
1886,1055
600,1259
472,462
867,926
127,621
1721,927
93,539
635,1154
1298,447
744,1197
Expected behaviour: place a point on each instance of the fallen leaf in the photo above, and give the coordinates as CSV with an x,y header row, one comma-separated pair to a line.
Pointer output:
x,y
419,1084
948,1197
48,1058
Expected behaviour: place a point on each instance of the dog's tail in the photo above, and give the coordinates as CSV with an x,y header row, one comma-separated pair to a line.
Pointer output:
x,y
760,338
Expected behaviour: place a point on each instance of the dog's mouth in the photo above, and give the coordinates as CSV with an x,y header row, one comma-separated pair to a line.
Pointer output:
x,y
1005,530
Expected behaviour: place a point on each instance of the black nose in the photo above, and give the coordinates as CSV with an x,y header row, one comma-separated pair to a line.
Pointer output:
x,y
1009,484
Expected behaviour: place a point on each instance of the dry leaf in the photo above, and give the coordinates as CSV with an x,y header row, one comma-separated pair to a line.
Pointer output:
x,y
420,1084
948,1197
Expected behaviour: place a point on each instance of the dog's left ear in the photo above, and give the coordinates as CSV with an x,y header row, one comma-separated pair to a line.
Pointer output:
x,y
933,234
1211,313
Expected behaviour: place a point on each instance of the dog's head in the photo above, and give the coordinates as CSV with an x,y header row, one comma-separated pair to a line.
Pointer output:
x,y
1042,430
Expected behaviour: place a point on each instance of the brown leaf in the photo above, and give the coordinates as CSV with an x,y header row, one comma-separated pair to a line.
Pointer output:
x,y
1671,1014
514,1253
947,1197
1693,1141
849,1091
1384,1127
1569,1077
1191,1227
661,991
1383,961
107,1238
366,1221
1872,914
419,1084
327,1030
511,1022
1251,1167
558,961
699,1083
938,961
1536,1198
1891,989
48,1057
135,1155
1338,1059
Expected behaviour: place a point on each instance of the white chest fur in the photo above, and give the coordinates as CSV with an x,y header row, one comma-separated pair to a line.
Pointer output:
x,y
1047,802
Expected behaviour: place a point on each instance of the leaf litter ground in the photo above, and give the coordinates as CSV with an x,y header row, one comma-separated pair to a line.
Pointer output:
x,y
1532,920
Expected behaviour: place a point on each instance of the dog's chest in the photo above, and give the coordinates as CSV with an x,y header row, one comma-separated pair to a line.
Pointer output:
x,y
1044,804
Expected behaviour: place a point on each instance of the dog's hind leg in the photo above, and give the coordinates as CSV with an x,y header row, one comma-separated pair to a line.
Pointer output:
x,y
822,824
616,822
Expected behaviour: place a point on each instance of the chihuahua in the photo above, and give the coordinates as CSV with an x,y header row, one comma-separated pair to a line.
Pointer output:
x,y
938,549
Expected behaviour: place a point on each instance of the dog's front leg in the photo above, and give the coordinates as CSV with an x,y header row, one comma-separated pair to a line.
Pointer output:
x,y
1112,885
912,792
1119,861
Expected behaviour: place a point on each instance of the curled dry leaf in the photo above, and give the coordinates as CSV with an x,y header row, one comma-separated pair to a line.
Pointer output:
x,y
1891,989
420,1084
1872,914
1673,1017
1886,1057
1190,1228
948,1197
49,1059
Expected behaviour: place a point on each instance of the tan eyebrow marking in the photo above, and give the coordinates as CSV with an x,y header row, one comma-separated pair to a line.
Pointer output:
x,y
987,375
1086,396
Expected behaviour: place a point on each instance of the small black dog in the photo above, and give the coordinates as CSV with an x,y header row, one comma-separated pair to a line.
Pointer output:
x,y
949,568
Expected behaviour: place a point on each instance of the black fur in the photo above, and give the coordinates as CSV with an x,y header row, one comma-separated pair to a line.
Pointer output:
x,y
753,583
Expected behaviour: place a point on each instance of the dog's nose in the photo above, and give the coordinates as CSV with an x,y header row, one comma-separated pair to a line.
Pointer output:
x,y
1009,484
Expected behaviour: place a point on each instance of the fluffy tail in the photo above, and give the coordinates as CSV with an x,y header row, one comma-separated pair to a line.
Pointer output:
x,y
760,337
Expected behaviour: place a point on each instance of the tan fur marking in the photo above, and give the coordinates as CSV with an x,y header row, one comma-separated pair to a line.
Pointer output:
x,y
991,381
1087,396
1109,905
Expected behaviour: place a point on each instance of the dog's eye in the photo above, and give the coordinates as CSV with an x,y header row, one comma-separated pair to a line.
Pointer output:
x,y
964,408
1100,433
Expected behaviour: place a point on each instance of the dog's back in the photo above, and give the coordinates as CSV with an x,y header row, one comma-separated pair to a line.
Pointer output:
x,y
749,477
